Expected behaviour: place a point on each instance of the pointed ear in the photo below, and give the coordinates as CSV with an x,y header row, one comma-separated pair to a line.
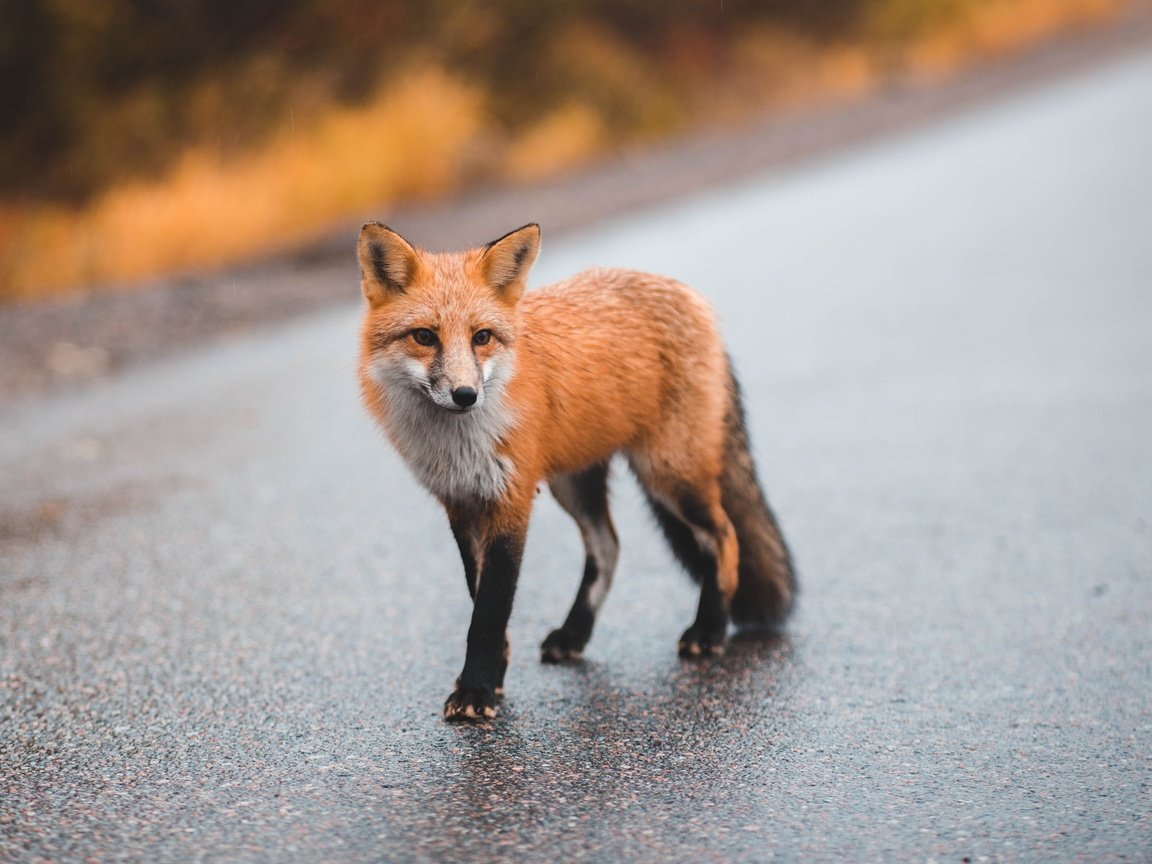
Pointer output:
x,y
505,262
388,262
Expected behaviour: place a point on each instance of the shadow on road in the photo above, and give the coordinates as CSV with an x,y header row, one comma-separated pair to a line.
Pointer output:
x,y
690,739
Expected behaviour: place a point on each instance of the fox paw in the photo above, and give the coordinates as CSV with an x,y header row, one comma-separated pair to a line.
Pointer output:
x,y
561,645
699,642
470,704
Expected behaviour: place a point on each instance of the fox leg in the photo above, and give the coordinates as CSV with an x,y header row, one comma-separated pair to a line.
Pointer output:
x,y
486,658
466,529
469,540
703,539
584,495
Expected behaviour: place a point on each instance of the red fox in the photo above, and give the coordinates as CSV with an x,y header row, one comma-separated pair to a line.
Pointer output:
x,y
486,392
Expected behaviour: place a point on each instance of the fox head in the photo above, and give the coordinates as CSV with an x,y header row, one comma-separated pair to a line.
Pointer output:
x,y
443,325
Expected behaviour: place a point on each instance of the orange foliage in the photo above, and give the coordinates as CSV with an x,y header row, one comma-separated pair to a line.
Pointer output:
x,y
997,27
408,143
424,128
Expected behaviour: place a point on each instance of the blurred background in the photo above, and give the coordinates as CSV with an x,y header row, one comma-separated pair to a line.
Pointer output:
x,y
140,137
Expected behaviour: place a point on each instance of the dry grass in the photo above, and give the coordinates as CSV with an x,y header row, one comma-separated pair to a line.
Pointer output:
x,y
770,69
409,143
563,139
418,136
997,27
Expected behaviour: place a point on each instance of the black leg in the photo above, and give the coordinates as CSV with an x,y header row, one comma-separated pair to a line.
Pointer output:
x,y
708,631
466,532
485,662
498,687
568,640
584,496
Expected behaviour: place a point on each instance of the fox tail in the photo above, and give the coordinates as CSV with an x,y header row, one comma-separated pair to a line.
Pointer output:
x,y
767,586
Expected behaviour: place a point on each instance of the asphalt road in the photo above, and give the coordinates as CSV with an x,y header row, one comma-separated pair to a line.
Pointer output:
x,y
229,617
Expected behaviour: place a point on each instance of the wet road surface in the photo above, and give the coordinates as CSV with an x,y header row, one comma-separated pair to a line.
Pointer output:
x,y
229,617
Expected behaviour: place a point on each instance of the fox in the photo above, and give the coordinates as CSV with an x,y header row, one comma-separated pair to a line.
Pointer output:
x,y
487,391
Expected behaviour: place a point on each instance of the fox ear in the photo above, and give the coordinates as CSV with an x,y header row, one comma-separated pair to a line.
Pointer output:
x,y
505,262
388,262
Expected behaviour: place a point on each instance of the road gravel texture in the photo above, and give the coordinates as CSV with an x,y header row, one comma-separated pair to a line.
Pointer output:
x,y
229,617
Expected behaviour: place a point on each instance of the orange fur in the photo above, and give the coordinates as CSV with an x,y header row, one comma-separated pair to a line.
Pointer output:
x,y
608,361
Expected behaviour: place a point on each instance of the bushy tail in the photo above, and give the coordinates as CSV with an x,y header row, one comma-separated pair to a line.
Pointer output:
x,y
767,586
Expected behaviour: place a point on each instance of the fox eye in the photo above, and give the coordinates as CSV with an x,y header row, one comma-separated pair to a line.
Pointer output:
x,y
423,336
481,337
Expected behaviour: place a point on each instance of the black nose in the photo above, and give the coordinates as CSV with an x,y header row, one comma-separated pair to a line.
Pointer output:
x,y
464,396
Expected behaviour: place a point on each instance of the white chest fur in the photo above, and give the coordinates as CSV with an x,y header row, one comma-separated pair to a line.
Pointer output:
x,y
454,456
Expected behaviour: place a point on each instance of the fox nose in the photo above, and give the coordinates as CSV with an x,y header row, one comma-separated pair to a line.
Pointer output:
x,y
464,396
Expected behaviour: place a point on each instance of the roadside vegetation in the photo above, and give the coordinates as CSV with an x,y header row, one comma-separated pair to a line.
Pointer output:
x,y
138,139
